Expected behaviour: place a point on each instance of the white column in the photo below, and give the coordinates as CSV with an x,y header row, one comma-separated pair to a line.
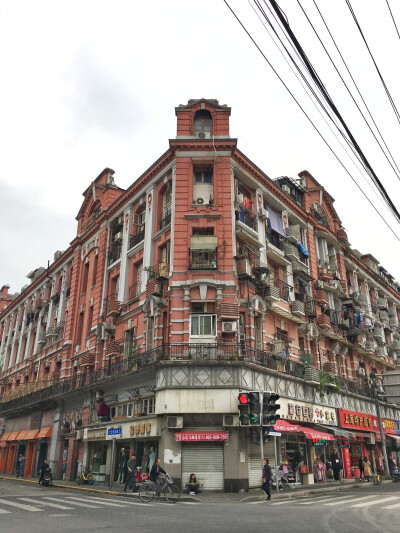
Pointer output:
x,y
148,236
23,328
124,268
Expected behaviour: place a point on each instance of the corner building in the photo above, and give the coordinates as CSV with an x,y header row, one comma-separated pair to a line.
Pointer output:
x,y
202,279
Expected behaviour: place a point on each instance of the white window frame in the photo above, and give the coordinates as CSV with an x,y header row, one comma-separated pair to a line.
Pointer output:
x,y
203,316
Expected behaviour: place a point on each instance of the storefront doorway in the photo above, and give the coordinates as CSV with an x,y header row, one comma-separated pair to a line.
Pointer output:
x,y
206,461
146,454
97,460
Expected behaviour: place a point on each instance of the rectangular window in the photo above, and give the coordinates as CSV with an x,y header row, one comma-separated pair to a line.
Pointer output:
x,y
95,267
203,176
203,325
150,334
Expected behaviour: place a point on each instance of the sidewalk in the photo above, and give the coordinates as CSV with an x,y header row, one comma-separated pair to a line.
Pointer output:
x,y
209,496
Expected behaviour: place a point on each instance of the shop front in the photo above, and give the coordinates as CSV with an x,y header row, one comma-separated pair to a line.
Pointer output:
x,y
28,443
144,438
97,447
203,454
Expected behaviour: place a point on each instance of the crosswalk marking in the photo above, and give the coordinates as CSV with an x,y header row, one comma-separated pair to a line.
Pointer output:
x,y
376,501
141,503
21,506
352,500
94,500
321,500
41,502
392,506
79,504
2,511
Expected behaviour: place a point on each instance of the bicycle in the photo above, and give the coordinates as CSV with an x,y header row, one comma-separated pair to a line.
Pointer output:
x,y
171,492
86,477
377,478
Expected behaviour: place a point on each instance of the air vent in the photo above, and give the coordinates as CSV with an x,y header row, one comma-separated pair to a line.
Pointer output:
x,y
231,420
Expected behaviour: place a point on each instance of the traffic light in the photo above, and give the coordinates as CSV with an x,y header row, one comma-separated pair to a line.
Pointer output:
x,y
270,408
249,408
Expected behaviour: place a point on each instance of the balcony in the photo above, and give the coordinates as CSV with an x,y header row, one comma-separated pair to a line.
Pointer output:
x,y
326,274
42,338
55,332
310,307
293,233
321,297
136,238
283,288
203,259
392,312
112,306
165,220
91,220
378,332
276,240
247,217
382,303
369,346
115,252
324,321
291,252
342,235
393,322
298,308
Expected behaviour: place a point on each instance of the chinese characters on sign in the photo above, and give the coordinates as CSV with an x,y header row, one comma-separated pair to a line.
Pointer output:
x,y
309,413
199,437
139,429
366,422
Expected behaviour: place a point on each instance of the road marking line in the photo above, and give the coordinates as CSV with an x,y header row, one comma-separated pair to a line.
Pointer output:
x,y
376,501
41,502
2,511
393,506
93,499
352,500
189,503
75,503
21,506
320,499
60,515
142,503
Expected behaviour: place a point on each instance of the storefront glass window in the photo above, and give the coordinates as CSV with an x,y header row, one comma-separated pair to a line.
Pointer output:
x,y
97,460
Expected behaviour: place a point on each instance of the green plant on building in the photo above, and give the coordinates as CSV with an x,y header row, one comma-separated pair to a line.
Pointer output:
x,y
306,358
327,382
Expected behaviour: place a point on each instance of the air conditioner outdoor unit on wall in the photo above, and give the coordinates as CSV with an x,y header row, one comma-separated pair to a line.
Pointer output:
x,y
230,420
286,188
203,135
200,201
91,301
229,327
361,371
175,422
118,236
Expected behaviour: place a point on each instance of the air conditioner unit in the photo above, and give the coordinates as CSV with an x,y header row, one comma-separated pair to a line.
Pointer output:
x,y
200,201
118,236
230,420
361,371
175,422
82,308
263,213
286,188
99,394
203,135
229,327
91,301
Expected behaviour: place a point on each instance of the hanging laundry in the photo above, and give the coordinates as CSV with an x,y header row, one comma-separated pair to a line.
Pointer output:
x,y
359,319
302,249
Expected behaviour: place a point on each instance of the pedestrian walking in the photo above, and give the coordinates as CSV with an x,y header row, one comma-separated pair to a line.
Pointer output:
x,y
367,469
266,479
21,465
131,477
17,464
361,467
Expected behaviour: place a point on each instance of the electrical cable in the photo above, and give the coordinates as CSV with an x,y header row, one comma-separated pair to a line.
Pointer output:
x,y
375,192
331,104
373,60
352,97
308,118
324,93
394,22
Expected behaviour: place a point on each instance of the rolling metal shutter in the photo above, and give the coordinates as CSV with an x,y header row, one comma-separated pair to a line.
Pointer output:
x,y
254,462
206,461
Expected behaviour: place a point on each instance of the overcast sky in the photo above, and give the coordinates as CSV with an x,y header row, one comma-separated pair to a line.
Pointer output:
x,y
93,84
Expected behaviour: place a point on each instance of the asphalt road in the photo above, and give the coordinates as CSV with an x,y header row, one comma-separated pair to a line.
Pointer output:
x,y
26,508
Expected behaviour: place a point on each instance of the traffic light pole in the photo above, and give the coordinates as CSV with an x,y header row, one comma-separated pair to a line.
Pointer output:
x,y
262,447
378,412
276,465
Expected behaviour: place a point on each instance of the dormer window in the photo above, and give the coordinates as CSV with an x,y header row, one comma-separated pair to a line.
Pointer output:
x,y
202,124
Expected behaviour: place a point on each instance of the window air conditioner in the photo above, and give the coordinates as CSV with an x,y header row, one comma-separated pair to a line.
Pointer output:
x,y
175,422
203,135
229,327
200,201
118,236
230,420
286,188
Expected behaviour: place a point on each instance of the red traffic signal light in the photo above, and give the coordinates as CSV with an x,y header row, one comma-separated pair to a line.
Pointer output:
x,y
243,399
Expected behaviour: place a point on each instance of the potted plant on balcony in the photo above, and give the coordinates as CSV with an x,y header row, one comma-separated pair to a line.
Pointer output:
x,y
153,285
327,382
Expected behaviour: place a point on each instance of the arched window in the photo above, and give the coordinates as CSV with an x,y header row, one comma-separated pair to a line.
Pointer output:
x,y
202,122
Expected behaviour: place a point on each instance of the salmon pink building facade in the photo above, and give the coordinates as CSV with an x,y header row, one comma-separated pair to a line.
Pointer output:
x,y
202,279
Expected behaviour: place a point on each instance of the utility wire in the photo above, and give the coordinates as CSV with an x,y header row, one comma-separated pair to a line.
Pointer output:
x,y
352,97
308,118
375,192
357,152
394,22
376,66
331,104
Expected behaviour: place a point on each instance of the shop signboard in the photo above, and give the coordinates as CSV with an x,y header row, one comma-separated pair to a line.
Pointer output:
x,y
94,434
140,430
365,422
397,427
201,436
318,442
1,423
307,412
346,463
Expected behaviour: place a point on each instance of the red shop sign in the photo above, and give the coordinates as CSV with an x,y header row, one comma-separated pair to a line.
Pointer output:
x,y
201,436
354,420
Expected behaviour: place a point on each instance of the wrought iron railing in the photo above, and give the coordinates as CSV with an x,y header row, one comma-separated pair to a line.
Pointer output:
x,y
276,240
115,252
284,289
203,259
165,220
137,238
247,217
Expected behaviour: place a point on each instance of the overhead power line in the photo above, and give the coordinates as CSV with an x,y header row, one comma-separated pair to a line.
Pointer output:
x,y
373,60
308,118
391,14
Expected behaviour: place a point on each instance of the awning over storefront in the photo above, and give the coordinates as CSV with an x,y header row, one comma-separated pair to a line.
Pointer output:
x,y
5,437
21,435
44,433
336,431
32,434
201,436
315,434
284,426
395,437
13,436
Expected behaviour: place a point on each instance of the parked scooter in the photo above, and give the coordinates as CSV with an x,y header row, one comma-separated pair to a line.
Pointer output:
x,y
395,475
47,480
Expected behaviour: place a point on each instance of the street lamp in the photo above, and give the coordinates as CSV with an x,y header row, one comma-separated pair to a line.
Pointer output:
x,y
375,391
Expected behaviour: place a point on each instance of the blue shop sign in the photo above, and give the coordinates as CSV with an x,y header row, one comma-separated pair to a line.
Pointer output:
x,y
397,427
114,432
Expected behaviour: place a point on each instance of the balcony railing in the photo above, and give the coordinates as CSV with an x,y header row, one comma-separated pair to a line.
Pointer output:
x,y
131,360
134,290
247,217
115,252
284,289
203,259
165,220
276,240
310,306
91,220
136,238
